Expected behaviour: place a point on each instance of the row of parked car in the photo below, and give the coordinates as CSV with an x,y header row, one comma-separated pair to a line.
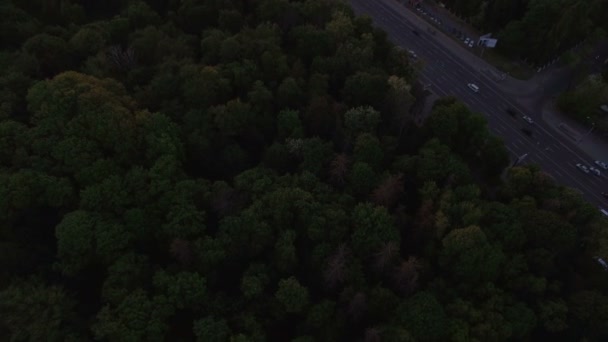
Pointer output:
x,y
592,169
457,33
431,16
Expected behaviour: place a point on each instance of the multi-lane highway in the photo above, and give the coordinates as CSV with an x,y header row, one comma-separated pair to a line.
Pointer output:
x,y
449,75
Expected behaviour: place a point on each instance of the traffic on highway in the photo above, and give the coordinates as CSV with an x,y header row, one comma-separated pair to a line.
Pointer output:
x,y
523,132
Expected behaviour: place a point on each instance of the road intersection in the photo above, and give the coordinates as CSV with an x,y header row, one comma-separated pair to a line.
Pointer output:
x,y
448,75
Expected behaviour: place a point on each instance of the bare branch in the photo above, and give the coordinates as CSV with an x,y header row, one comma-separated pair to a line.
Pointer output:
x,y
406,275
339,168
357,305
181,250
336,267
386,255
387,193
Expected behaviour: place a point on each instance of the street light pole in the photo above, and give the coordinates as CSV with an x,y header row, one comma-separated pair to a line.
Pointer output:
x,y
483,48
588,132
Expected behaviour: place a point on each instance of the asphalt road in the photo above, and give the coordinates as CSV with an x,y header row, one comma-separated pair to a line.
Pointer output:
x,y
448,76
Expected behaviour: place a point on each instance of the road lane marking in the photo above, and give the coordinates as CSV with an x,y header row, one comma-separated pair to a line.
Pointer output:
x,y
454,58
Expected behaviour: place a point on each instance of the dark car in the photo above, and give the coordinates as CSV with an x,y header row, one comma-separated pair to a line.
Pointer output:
x,y
511,112
416,32
527,131
605,195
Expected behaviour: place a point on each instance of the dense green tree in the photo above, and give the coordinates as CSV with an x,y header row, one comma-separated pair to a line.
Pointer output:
x,y
499,223
315,155
88,41
289,94
292,295
365,88
423,316
251,171
18,26
35,311
211,329
138,316
361,120
552,315
51,52
285,251
469,257
436,163
373,228
141,15
184,289
362,178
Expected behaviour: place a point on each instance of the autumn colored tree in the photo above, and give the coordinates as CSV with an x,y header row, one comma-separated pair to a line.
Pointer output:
x,y
250,171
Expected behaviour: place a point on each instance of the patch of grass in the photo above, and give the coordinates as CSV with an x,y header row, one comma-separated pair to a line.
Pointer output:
x,y
514,69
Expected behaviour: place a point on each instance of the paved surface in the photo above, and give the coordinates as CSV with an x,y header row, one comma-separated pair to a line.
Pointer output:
x,y
450,66
510,85
595,146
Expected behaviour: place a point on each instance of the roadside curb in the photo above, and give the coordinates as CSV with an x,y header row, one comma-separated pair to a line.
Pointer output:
x,y
555,123
509,85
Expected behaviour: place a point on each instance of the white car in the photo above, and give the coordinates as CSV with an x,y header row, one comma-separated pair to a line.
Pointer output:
x,y
473,87
466,41
528,119
595,171
601,164
412,54
582,167
471,44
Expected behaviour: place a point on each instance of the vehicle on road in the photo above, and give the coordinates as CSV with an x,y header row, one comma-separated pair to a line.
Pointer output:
x,y
601,164
412,54
416,33
601,261
471,44
527,131
511,111
528,119
582,167
473,87
466,41
595,171
605,194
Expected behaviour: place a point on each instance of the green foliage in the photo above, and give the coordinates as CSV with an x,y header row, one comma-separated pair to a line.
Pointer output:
x,y
212,330
423,316
583,103
361,120
553,315
373,229
184,290
368,150
137,317
362,178
292,295
365,89
35,311
469,257
249,171
52,53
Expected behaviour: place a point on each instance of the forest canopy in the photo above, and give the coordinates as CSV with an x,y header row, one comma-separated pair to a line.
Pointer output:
x,y
255,171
